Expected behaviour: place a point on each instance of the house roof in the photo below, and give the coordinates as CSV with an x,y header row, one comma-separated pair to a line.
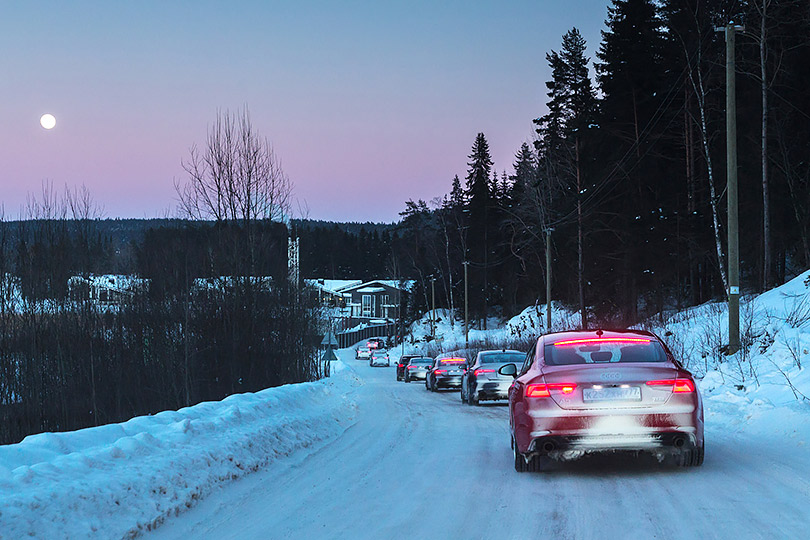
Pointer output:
x,y
404,285
334,286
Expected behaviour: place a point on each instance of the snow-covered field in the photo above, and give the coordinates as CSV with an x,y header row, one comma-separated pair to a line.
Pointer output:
x,y
363,456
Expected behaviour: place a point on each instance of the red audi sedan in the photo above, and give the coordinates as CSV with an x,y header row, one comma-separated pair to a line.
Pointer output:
x,y
602,391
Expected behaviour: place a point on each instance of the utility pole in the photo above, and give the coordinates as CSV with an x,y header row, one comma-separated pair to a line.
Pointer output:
x,y
731,178
433,310
548,280
466,310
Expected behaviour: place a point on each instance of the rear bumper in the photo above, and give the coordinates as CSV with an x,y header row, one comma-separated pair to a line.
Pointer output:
x,y
493,389
379,364
673,440
416,375
448,382
671,426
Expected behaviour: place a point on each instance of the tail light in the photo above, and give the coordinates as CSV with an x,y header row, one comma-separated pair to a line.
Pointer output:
x,y
399,365
439,371
477,372
679,386
544,390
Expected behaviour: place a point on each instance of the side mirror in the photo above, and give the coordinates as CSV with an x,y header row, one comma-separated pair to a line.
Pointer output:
x,y
510,370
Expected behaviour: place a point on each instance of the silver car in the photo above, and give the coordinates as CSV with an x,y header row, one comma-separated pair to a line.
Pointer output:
x,y
379,357
417,368
482,381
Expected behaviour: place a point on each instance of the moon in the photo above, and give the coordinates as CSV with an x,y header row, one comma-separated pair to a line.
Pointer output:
x,y
48,121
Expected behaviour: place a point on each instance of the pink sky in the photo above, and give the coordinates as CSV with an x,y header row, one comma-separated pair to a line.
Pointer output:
x,y
367,105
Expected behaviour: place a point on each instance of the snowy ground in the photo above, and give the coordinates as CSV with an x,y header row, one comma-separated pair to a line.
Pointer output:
x,y
423,465
364,456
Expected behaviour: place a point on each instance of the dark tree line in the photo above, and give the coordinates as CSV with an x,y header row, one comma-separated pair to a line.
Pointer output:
x,y
207,311
628,169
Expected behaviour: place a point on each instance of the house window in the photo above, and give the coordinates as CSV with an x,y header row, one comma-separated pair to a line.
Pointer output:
x,y
368,305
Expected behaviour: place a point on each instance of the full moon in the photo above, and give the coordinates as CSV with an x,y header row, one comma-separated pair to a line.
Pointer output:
x,y
48,121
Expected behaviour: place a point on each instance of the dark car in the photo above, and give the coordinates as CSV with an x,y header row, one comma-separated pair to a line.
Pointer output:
x,y
418,368
602,391
402,365
483,382
446,372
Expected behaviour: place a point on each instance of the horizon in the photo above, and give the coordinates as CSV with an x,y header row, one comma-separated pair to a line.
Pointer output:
x,y
367,106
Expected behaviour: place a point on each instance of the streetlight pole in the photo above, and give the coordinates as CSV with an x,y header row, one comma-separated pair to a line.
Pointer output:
x,y
731,179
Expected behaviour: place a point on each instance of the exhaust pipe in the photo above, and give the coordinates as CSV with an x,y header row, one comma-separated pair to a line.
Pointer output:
x,y
679,442
548,446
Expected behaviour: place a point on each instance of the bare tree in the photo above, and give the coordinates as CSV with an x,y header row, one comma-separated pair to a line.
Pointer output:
x,y
236,176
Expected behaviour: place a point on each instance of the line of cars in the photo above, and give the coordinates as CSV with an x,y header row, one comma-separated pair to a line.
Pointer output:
x,y
580,392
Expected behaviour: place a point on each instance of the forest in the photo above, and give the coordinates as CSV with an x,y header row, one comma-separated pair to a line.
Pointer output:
x,y
625,180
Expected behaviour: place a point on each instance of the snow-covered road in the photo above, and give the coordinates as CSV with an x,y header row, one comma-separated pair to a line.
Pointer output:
x,y
422,465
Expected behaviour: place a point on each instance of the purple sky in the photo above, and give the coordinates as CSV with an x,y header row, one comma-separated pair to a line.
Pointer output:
x,y
367,104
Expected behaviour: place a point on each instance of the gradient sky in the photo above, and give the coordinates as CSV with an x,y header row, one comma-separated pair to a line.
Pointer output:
x,y
367,103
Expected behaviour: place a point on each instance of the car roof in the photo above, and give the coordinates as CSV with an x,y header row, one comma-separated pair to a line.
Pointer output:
x,y
595,334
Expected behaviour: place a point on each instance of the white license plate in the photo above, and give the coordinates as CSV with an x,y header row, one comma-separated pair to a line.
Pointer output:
x,y
456,372
632,393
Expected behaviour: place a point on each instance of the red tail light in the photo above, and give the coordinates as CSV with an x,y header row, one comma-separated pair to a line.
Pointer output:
x,y
399,365
544,390
439,371
679,386
477,372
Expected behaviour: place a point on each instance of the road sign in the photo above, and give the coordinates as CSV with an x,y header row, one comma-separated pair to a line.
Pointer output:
x,y
329,340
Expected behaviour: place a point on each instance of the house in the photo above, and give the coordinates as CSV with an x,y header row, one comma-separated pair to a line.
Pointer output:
x,y
329,291
107,289
377,299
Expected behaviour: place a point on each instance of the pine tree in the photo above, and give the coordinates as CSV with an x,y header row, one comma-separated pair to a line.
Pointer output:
x,y
479,197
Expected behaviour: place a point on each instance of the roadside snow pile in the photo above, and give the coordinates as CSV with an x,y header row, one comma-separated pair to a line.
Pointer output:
x,y
768,379
118,480
526,325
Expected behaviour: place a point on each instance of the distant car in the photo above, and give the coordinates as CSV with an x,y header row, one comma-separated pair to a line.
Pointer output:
x,y
375,343
417,368
362,353
482,381
402,365
379,357
446,372
596,391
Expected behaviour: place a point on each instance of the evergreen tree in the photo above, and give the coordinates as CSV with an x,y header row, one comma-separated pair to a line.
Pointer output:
x,y
479,203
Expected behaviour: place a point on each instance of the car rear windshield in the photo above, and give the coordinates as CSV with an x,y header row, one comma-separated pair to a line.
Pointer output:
x,y
603,353
421,361
502,358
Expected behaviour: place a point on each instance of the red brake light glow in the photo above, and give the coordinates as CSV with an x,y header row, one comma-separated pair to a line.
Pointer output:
x,y
453,361
679,386
602,340
439,371
477,372
544,390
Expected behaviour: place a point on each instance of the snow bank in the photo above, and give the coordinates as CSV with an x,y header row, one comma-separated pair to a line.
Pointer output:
x,y
120,479
526,325
765,387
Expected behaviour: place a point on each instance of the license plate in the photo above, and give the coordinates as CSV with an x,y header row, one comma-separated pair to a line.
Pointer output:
x,y
632,393
455,372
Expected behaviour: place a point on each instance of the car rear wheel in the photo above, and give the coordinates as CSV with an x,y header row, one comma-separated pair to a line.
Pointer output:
x,y
463,395
472,399
691,457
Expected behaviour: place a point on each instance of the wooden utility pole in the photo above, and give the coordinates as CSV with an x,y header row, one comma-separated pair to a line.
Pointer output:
x,y
433,308
731,176
548,280
466,310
